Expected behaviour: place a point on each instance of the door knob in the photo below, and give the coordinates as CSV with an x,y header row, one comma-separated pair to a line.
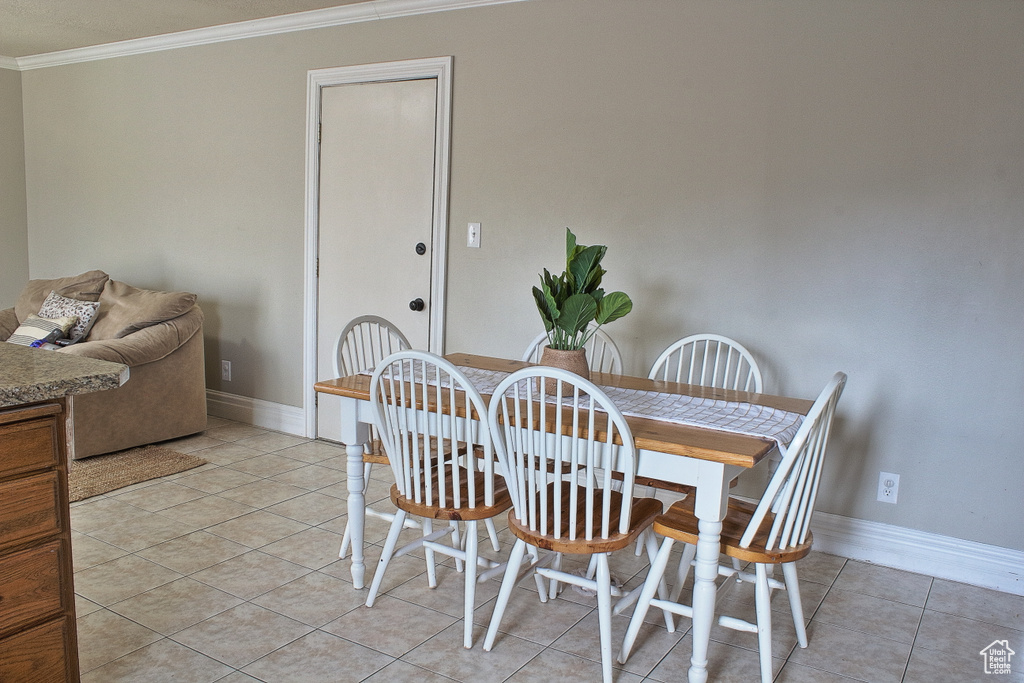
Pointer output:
x,y
416,304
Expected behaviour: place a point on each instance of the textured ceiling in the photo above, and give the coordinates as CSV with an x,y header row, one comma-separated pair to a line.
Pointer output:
x,y
32,27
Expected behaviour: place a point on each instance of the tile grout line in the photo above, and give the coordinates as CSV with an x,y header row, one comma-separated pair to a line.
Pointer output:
x,y
917,631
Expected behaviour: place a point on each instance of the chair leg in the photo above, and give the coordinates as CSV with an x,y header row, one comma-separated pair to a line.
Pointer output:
x,y
604,614
737,565
534,554
471,569
556,564
508,582
643,603
457,543
385,555
493,534
795,603
346,541
428,528
763,601
689,552
652,552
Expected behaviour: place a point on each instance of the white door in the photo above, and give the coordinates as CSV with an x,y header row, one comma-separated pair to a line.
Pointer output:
x,y
376,187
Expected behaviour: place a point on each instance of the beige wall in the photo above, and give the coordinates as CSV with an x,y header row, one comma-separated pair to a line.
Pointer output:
x,y
837,185
13,220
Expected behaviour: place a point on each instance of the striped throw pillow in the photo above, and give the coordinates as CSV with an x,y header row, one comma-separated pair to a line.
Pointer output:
x,y
46,329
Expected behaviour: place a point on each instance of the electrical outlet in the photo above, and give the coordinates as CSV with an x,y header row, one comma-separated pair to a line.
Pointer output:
x,y
888,487
225,370
473,236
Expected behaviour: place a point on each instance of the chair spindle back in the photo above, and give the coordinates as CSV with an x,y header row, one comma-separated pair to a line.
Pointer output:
x,y
792,491
558,437
708,360
364,342
431,420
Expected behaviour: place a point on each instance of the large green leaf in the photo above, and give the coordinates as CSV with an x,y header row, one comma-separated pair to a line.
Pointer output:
x,y
585,268
577,312
573,250
570,246
593,280
555,287
543,305
613,306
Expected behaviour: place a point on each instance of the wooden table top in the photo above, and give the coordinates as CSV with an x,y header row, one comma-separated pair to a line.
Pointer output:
x,y
650,434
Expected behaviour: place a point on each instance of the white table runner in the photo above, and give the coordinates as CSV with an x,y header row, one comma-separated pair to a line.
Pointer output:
x,y
728,416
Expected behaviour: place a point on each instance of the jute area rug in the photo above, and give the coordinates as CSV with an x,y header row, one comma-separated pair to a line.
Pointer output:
x,y
104,473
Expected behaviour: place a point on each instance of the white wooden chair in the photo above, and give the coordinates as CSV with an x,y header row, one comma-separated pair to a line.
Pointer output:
x,y
602,353
431,421
708,360
570,470
363,343
774,531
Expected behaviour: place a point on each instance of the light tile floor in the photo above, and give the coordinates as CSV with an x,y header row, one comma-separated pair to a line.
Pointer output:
x,y
229,572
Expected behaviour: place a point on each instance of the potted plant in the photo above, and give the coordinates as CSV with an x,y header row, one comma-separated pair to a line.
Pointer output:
x,y
569,302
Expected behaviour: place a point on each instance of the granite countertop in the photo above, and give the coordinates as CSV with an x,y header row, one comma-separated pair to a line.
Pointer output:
x,y
30,375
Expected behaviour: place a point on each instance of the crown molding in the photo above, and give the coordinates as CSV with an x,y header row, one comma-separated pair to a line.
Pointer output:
x,y
299,21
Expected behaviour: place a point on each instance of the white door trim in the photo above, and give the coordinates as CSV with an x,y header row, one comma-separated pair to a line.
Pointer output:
x,y
433,67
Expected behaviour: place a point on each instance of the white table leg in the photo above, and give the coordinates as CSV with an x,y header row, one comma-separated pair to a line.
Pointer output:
x,y
356,511
711,504
704,591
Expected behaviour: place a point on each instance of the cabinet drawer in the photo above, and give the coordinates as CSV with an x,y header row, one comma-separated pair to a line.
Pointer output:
x,y
29,586
28,507
36,655
29,445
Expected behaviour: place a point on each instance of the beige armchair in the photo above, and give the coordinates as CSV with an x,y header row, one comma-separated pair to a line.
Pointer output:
x,y
158,335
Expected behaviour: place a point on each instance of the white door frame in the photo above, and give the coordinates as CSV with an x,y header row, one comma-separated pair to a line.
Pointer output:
x,y
412,69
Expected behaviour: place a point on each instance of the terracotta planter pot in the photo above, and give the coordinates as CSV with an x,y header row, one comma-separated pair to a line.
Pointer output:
x,y
573,361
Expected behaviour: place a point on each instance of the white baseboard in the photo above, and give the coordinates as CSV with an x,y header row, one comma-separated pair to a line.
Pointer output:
x,y
921,552
943,557
266,414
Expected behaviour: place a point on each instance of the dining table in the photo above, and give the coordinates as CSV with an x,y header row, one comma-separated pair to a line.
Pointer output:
x,y
680,439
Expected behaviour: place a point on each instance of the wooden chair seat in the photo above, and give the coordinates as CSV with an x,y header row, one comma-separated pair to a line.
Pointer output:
x,y
680,523
642,512
374,453
469,509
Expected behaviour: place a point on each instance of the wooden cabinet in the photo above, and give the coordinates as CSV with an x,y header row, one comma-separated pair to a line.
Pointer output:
x,y
38,639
